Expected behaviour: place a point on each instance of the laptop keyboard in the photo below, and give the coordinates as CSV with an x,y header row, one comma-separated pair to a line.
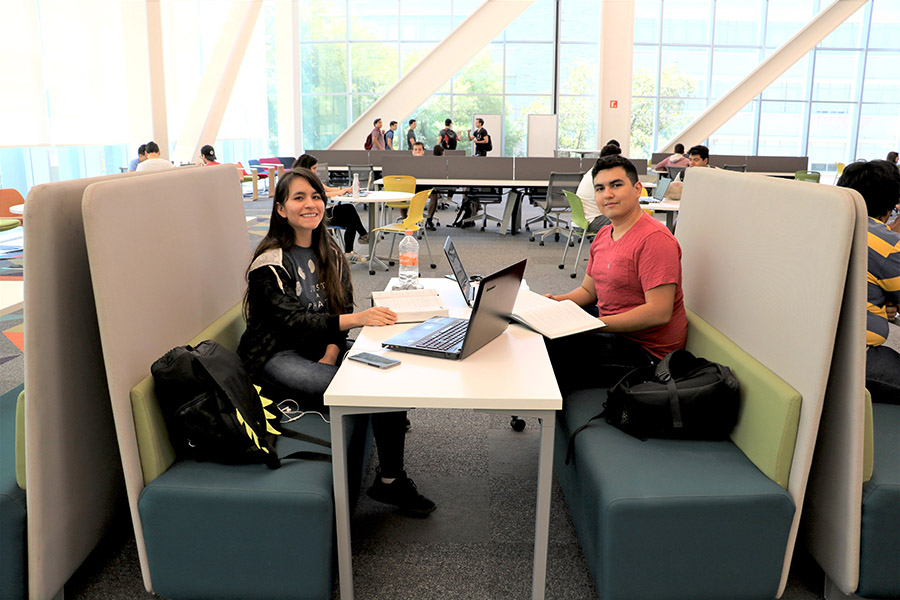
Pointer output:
x,y
445,338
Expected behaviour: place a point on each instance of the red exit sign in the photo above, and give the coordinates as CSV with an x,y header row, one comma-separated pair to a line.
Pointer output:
x,y
614,104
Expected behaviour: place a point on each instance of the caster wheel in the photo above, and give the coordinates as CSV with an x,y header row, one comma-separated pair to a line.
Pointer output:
x,y
433,266
561,266
517,424
371,272
392,263
555,237
531,239
542,243
572,275
527,228
572,245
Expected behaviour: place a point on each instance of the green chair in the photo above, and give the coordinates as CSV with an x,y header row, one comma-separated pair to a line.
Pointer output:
x,y
581,223
811,176
7,224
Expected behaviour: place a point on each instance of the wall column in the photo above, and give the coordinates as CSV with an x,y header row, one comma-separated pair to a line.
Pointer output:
x,y
616,51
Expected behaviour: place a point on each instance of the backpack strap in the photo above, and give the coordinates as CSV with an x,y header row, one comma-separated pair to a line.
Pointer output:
x,y
303,437
570,451
664,374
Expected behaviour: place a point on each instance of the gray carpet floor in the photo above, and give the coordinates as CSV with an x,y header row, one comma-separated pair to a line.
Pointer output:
x,y
482,475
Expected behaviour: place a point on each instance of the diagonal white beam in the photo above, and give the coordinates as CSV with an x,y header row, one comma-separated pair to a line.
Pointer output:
x,y
433,71
767,72
208,108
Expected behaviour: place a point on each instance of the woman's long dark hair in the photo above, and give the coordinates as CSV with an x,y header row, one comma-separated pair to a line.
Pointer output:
x,y
330,258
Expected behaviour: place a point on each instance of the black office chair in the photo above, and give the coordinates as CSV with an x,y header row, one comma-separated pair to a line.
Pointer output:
x,y
674,172
555,205
739,168
366,174
484,196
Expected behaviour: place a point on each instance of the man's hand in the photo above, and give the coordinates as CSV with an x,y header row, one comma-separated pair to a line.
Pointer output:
x,y
891,311
332,352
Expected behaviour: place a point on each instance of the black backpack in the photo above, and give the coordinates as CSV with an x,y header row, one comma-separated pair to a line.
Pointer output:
x,y
214,413
448,139
682,397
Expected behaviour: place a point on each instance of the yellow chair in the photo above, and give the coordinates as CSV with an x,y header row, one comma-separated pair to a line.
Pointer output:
x,y
839,167
398,183
413,222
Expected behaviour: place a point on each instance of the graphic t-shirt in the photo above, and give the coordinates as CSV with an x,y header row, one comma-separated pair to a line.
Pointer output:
x,y
308,286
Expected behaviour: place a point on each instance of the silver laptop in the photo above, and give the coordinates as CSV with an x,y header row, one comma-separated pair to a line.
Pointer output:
x,y
659,193
454,338
467,285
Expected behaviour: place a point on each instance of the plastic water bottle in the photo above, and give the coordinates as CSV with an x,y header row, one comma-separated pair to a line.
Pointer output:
x,y
356,185
409,262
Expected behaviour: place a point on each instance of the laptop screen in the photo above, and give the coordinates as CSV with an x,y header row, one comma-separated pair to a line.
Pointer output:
x,y
495,301
660,192
456,266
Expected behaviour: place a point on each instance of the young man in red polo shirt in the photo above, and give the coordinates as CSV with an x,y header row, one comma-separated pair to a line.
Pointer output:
x,y
634,279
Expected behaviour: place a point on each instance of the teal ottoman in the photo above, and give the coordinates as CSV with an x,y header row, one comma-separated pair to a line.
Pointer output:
x,y
669,519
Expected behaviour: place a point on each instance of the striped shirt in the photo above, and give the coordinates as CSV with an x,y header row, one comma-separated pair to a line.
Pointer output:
x,y
884,279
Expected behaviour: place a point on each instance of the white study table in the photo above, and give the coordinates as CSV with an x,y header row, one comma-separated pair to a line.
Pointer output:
x,y
17,209
670,207
376,200
511,374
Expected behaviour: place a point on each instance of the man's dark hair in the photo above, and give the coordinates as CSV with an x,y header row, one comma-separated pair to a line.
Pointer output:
x,y
375,122
419,144
480,120
610,150
878,181
892,157
614,142
411,121
610,162
701,151
392,123
152,147
448,122
142,149
679,148
438,150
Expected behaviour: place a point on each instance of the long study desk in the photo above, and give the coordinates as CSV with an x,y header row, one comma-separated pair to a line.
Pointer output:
x,y
511,374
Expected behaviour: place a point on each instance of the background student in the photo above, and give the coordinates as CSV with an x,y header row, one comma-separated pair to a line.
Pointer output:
x,y
339,215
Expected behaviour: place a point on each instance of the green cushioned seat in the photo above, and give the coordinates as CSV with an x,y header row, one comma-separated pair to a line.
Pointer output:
x,y
667,518
13,541
227,531
879,560
686,519
253,532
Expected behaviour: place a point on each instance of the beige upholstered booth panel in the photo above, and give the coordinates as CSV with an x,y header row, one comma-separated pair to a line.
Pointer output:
x,y
72,461
167,256
834,497
776,286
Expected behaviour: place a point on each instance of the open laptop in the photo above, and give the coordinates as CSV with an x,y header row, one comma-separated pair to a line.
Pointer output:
x,y
659,193
467,285
454,338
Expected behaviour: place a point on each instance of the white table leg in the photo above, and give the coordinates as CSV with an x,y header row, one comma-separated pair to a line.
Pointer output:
x,y
542,521
341,502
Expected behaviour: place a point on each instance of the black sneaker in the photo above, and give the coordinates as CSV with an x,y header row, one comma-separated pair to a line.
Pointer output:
x,y
402,493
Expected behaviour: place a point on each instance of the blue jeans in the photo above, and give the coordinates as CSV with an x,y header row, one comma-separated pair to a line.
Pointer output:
x,y
289,375
883,374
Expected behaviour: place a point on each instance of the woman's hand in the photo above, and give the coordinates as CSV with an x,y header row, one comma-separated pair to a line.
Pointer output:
x,y
377,315
332,352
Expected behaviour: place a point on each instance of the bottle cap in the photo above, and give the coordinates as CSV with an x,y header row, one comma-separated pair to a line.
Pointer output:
x,y
409,232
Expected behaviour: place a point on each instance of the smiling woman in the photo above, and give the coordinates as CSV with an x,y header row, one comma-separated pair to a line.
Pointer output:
x,y
299,307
